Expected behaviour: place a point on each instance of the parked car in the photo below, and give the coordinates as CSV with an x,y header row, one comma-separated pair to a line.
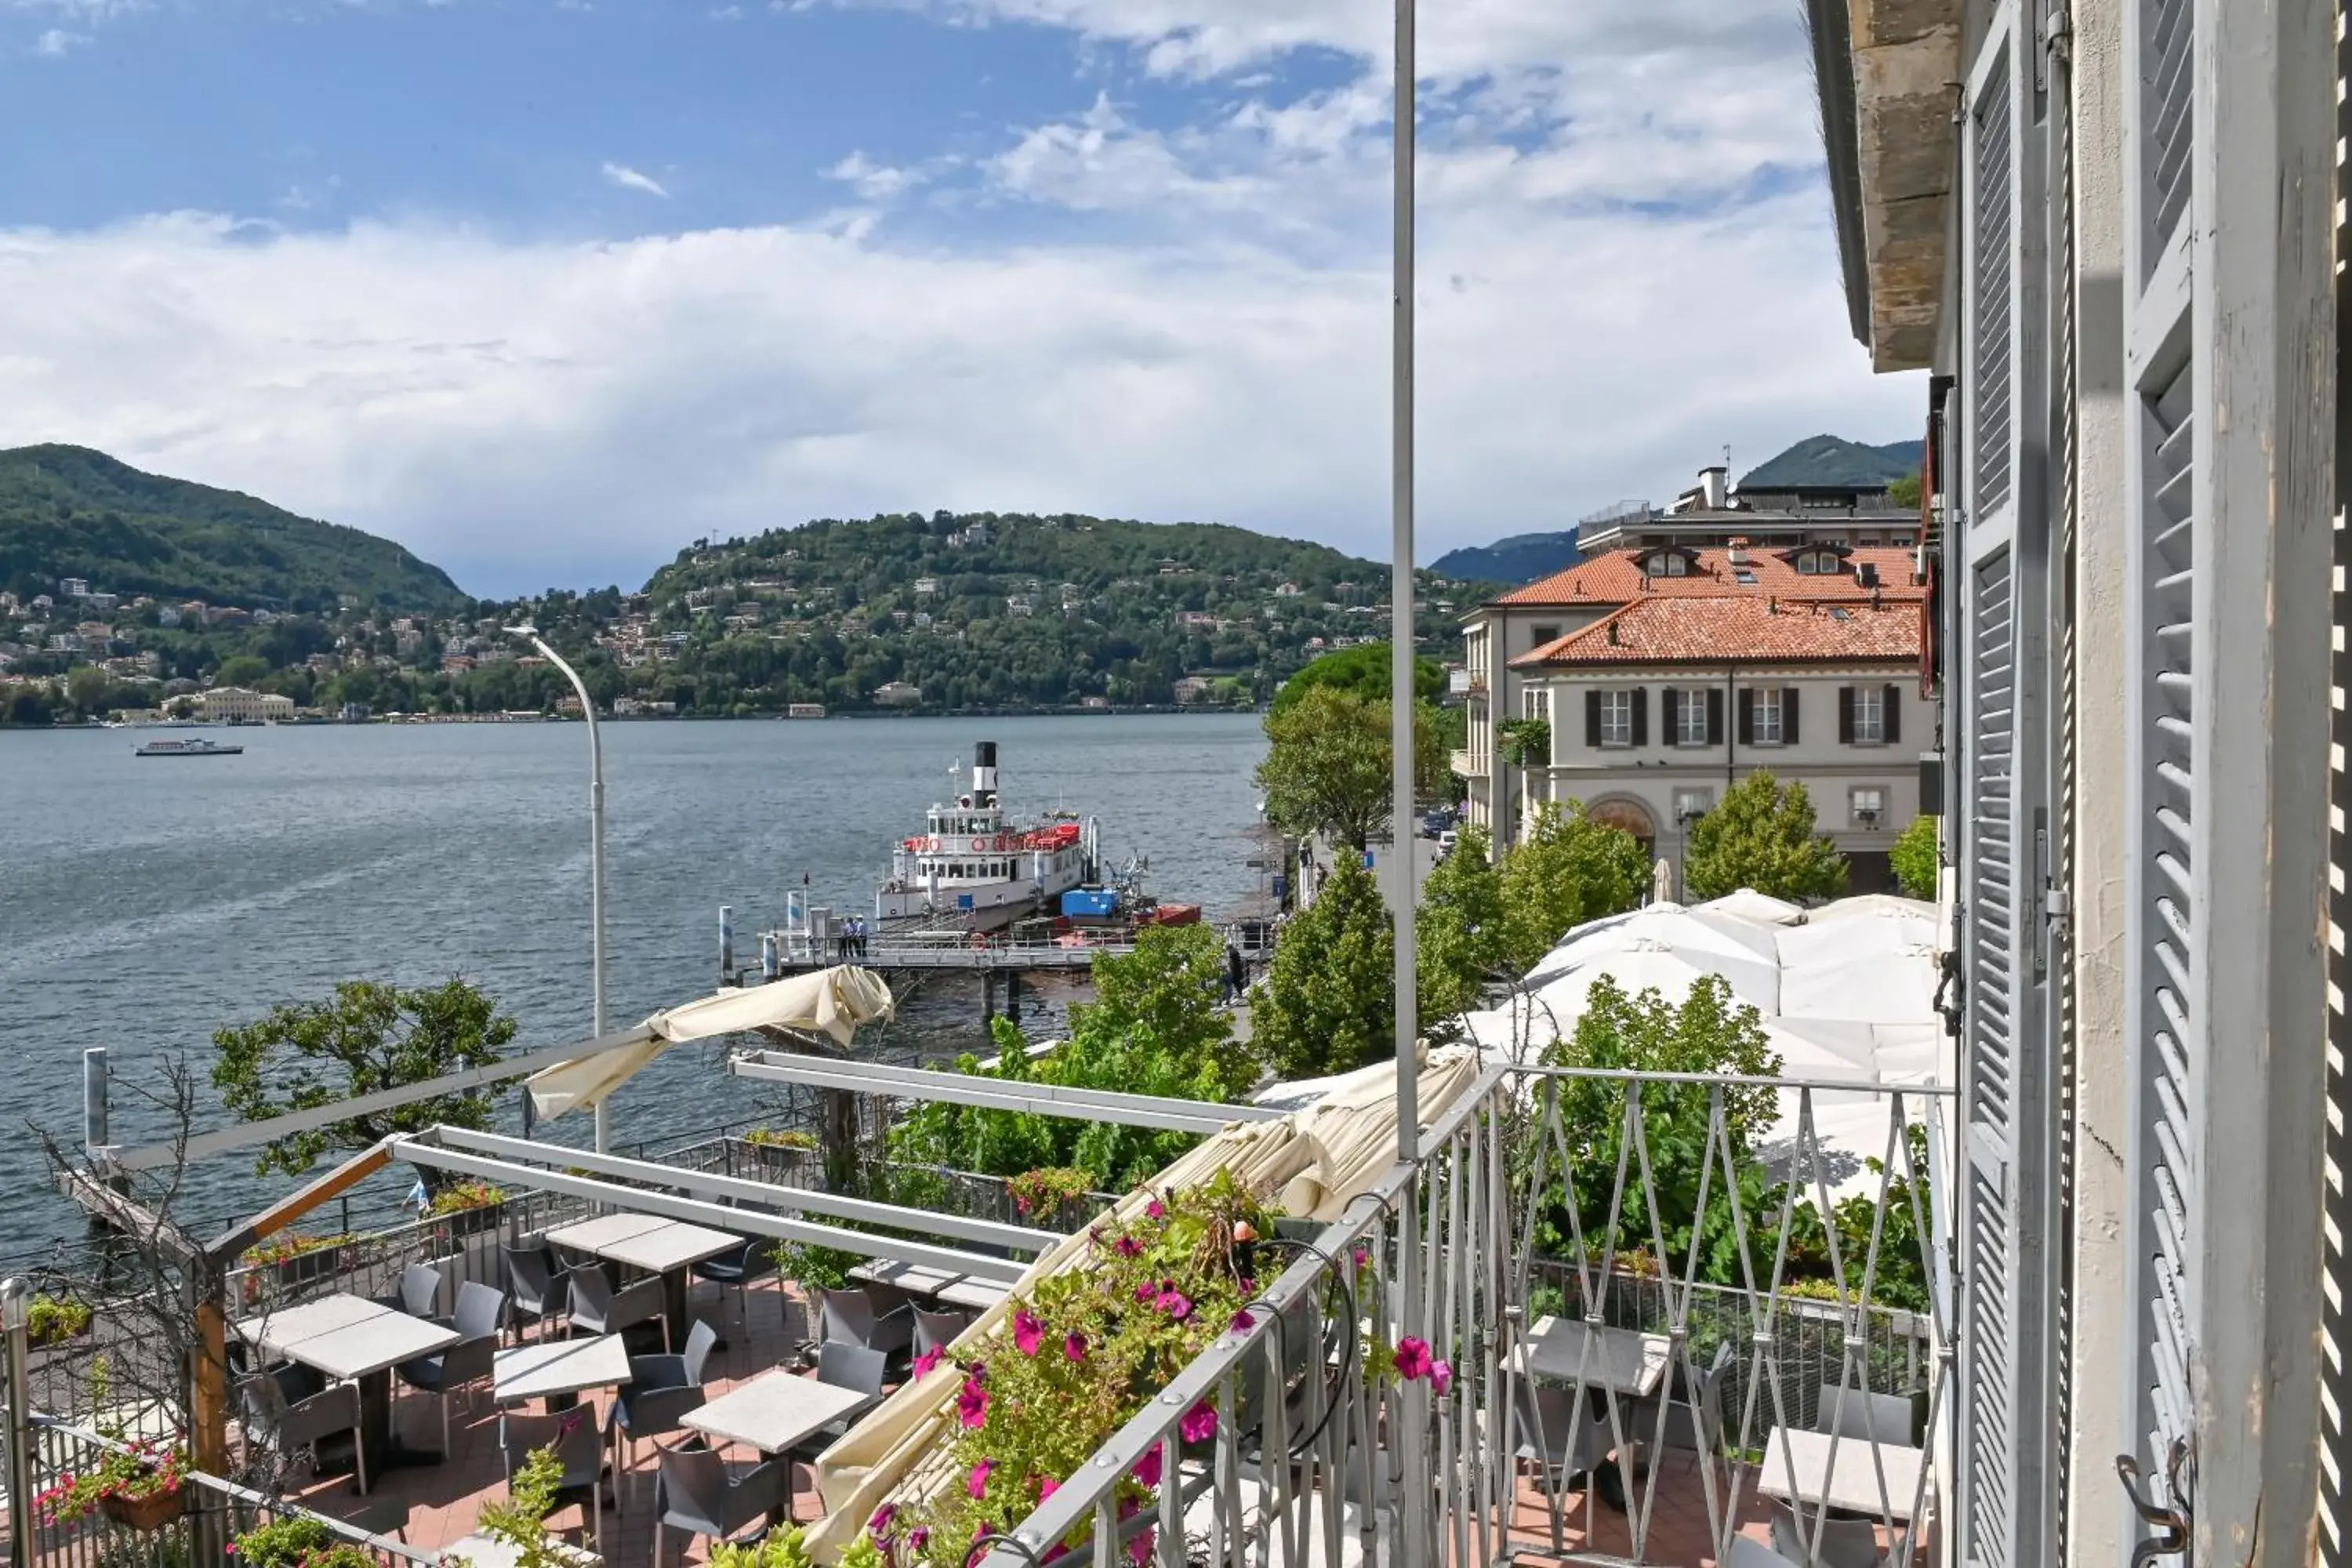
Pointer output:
x,y
1445,842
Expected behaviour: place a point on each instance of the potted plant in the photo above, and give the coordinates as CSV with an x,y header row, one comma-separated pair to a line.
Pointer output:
x,y
52,1320
140,1484
298,1540
1040,1195
295,1258
777,1549
467,1208
780,1149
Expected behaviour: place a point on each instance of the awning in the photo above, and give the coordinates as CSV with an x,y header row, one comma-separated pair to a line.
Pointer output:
x,y
831,1001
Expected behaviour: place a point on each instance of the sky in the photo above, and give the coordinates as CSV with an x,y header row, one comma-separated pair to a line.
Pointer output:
x,y
546,289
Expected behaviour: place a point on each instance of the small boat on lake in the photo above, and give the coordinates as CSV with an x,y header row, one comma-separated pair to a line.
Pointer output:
x,y
199,747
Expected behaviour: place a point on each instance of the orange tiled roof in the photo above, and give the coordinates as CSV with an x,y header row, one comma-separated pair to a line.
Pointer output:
x,y
1668,630
1617,578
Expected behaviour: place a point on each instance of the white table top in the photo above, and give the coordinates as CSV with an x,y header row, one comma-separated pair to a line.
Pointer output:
x,y
593,1235
481,1551
773,1413
346,1336
291,1325
916,1278
1852,1484
672,1243
978,1294
559,1366
1620,1360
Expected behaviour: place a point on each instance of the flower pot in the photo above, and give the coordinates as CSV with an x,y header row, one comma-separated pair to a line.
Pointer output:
x,y
152,1511
472,1221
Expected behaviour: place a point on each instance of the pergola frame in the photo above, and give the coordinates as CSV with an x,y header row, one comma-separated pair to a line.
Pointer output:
x,y
1150,1110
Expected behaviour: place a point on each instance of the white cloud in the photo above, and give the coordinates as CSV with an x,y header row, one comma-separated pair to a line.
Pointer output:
x,y
874,182
53,43
629,179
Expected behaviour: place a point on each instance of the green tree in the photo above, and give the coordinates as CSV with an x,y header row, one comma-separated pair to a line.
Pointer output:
x,y
370,1037
1569,870
1761,836
1328,1001
88,689
1462,934
241,670
1905,492
1364,671
1327,765
1915,858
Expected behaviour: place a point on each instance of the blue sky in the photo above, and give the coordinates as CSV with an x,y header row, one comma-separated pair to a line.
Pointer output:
x,y
546,288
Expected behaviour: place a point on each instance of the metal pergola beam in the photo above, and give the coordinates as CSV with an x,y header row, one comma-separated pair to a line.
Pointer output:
x,y
420,1149
1150,1110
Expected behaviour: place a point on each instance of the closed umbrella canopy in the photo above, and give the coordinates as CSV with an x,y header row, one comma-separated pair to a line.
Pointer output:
x,y
832,1001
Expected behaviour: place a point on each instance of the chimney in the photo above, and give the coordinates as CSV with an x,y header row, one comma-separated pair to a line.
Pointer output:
x,y
1612,633
1714,488
1737,553
1866,573
983,774
1772,605
1875,604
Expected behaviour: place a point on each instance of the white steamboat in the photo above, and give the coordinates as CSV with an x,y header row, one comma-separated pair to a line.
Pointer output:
x,y
972,865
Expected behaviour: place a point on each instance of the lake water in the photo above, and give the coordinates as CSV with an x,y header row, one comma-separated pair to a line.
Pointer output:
x,y
144,903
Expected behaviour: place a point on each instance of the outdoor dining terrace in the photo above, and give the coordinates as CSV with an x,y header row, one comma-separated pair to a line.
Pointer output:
x,y
1656,1345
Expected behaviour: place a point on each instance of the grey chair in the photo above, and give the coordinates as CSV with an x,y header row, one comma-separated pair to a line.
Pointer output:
x,y
578,1443
418,1293
854,1318
700,1498
1557,1433
535,1285
481,1317
286,1427
1884,1416
852,1367
661,1391
738,1270
600,1309
1692,1409
1845,1542
938,1330
1747,1551
384,1519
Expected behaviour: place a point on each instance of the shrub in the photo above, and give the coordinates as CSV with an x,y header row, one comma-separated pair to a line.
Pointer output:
x,y
51,1319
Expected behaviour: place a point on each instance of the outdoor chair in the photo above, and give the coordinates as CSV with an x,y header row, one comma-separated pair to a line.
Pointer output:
x,y
843,1366
535,1284
295,1381
853,1318
600,1309
1747,1551
1558,1435
1884,1416
481,1315
388,1517
580,1448
938,1330
286,1427
1845,1542
699,1498
737,1270
661,1390
1693,1409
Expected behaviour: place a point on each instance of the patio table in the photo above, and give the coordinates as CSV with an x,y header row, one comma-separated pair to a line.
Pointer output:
x,y
1621,1361
914,1279
653,1244
976,1293
352,1340
558,1371
773,1413
1849,1482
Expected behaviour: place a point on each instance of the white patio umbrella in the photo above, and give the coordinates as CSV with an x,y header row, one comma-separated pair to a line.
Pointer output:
x,y
1529,1021
1878,988
1748,904
833,1001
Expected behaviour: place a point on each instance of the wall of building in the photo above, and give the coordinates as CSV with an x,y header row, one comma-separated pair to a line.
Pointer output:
x,y
1494,635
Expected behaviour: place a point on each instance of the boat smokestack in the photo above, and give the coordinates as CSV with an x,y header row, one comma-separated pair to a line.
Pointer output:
x,y
983,774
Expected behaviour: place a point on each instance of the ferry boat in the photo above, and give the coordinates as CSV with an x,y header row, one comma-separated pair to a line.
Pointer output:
x,y
199,747
974,865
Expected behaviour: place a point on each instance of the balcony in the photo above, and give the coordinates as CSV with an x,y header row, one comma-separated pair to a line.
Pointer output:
x,y
1469,764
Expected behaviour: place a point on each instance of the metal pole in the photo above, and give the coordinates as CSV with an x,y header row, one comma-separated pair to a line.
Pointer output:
x,y
596,845
15,1299
94,1099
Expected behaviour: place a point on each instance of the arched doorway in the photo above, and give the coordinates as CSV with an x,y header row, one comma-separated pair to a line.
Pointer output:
x,y
1625,811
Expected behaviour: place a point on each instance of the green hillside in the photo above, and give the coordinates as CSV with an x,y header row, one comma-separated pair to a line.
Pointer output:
x,y
1834,461
1522,558
69,512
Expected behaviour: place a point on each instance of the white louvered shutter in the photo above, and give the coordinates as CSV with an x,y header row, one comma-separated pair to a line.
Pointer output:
x,y
2005,1225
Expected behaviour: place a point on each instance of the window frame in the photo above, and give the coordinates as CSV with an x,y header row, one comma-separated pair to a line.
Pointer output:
x,y
1869,715
1690,717
1617,719
1853,806
1766,702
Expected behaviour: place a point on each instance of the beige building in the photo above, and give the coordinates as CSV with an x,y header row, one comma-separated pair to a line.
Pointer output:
x,y
1655,709
236,705
1508,629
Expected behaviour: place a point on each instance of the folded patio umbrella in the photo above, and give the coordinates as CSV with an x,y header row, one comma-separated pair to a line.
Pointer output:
x,y
833,1001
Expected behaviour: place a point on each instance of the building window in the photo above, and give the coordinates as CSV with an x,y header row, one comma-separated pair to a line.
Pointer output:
x,y
1869,716
1535,702
1616,718
1542,635
1669,563
1766,722
1690,805
1690,720
1869,805
1813,564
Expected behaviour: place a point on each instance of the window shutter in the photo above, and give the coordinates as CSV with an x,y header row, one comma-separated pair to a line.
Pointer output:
x,y
1641,716
1674,717
1893,712
1845,715
1592,720
1788,716
1714,717
1747,716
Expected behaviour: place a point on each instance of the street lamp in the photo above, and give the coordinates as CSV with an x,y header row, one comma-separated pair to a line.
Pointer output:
x,y
595,836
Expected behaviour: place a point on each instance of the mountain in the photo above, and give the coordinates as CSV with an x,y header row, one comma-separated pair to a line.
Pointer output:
x,y
69,512
1834,461
1522,558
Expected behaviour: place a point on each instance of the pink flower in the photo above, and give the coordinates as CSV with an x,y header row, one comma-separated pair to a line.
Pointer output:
x,y
1058,1552
977,1483
1075,1347
1200,1423
1146,1291
916,1539
972,1404
1176,1304
1020,1203
1249,1284
1242,1323
1128,1247
1028,1333
1363,1257
880,1522
1139,1551
1147,1468
927,1363
1156,1209
1046,1487
1441,1378
1412,1359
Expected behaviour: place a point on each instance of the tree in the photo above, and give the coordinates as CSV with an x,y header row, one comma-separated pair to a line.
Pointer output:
x,y
1915,859
370,1037
1904,491
1327,765
1462,934
1569,870
87,689
241,670
1327,1004
1364,671
1761,836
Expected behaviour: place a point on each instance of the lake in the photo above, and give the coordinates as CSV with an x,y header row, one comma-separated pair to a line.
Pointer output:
x,y
144,903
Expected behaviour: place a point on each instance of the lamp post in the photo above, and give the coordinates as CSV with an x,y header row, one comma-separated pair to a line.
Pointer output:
x,y
595,839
